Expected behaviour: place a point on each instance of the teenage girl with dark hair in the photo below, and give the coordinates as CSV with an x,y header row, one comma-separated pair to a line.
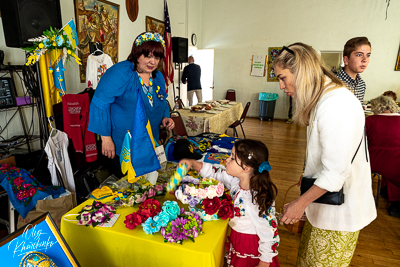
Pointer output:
x,y
254,233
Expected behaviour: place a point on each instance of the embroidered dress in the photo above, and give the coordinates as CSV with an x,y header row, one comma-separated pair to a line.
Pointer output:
x,y
57,153
326,248
357,86
96,67
262,230
113,105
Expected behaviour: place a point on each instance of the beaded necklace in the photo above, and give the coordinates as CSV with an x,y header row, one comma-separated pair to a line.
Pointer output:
x,y
148,91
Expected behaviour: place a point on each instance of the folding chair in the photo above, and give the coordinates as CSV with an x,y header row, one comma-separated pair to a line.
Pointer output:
x,y
230,95
240,122
179,128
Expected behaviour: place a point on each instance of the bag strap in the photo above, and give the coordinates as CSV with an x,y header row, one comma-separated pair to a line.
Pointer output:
x,y
359,148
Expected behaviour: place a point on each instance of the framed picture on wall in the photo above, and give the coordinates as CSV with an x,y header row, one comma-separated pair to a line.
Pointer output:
x,y
272,53
397,67
96,21
155,25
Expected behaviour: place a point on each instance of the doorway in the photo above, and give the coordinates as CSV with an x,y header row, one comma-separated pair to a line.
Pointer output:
x,y
205,59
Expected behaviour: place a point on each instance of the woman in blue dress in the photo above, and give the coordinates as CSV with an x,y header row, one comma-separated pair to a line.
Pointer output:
x,y
113,105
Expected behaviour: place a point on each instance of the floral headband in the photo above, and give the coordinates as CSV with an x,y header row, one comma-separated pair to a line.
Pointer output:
x,y
149,36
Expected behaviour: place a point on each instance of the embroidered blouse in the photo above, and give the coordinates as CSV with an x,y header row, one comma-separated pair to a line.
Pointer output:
x,y
246,218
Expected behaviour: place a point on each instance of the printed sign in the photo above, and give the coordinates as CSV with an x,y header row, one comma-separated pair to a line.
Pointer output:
x,y
37,238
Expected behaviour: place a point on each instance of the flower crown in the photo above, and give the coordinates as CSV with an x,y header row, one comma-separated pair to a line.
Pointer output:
x,y
149,36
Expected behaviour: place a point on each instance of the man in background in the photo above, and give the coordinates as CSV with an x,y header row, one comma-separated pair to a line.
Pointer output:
x,y
191,75
356,55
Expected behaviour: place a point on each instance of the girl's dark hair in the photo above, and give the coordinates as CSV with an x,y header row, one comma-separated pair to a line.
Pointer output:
x,y
145,49
263,191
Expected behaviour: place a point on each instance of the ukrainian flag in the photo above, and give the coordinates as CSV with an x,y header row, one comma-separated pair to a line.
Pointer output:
x,y
140,148
125,159
71,32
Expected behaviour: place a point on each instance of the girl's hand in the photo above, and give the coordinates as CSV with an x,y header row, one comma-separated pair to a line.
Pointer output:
x,y
107,147
263,264
191,163
168,123
292,212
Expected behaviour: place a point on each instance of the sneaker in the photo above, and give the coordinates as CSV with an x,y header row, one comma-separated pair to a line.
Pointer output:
x,y
289,121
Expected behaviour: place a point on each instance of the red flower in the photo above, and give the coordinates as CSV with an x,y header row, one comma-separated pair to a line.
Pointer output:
x,y
153,205
32,191
274,246
145,213
273,223
133,220
228,197
276,233
237,211
211,206
18,181
226,210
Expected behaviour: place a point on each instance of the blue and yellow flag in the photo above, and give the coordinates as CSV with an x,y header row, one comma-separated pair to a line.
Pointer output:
x,y
70,30
143,155
125,159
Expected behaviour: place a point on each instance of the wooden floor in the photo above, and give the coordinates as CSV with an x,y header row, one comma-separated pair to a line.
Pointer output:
x,y
378,244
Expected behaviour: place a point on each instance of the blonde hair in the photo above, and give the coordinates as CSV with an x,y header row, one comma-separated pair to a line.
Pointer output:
x,y
310,75
383,103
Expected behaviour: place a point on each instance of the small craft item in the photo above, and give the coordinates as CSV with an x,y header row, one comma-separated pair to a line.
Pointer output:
x,y
176,178
103,192
207,197
36,259
95,214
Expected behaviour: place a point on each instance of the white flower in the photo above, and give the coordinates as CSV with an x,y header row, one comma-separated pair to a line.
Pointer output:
x,y
178,194
211,192
185,199
192,190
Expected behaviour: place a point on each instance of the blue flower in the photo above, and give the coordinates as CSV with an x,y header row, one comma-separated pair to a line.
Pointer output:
x,y
162,219
59,40
150,226
46,43
171,208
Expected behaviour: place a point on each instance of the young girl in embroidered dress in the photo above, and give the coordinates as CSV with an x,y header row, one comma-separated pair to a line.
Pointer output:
x,y
254,234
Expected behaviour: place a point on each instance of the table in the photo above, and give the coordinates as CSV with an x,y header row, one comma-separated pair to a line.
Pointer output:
x,y
118,246
197,123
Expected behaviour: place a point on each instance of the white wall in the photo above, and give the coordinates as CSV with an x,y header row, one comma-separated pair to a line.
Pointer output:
x,y
239,29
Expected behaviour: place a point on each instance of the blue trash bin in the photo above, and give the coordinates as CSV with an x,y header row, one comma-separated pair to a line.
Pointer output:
x,y
267,106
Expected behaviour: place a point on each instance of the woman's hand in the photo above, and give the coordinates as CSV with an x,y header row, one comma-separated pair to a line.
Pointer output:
x,y
168,123
263,264
292,212
107,147
191,163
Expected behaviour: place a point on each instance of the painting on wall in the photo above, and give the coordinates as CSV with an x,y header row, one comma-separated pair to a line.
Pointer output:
x,y
272,53
155,25
397,67
96,21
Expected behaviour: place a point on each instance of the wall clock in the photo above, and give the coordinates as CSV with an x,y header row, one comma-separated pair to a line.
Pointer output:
x,y
194,39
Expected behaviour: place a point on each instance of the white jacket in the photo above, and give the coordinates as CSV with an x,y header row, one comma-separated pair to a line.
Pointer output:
x,y
333,137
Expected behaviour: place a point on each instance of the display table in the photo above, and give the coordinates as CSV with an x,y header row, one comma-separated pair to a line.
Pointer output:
x,y
118,246
197,123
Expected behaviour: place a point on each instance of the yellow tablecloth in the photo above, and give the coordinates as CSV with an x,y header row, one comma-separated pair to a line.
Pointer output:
x,y
118,246
197,123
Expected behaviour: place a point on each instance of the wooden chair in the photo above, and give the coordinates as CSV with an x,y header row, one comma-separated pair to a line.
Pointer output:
x,y
378,190
240,122
230,95
179,128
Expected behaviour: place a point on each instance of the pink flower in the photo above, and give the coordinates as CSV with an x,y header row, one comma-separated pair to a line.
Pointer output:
x,y
26,185
18,181
159,188
152,192
32,191
201,193
22,194
220,189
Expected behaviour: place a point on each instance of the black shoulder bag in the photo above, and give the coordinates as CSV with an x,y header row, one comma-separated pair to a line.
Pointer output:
x,y
329,198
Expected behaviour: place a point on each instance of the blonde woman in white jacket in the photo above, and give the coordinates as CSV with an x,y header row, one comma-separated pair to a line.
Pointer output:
x,y
335,135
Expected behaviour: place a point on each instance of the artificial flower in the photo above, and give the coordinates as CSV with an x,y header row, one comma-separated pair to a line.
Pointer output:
x,y
41,45
84,218
161,219
151,192
226,210
133,220
211,206
87,207
220,189
98,216
201,193
150,226
211,192
145,213
171,208
59,40
193,201
153,205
